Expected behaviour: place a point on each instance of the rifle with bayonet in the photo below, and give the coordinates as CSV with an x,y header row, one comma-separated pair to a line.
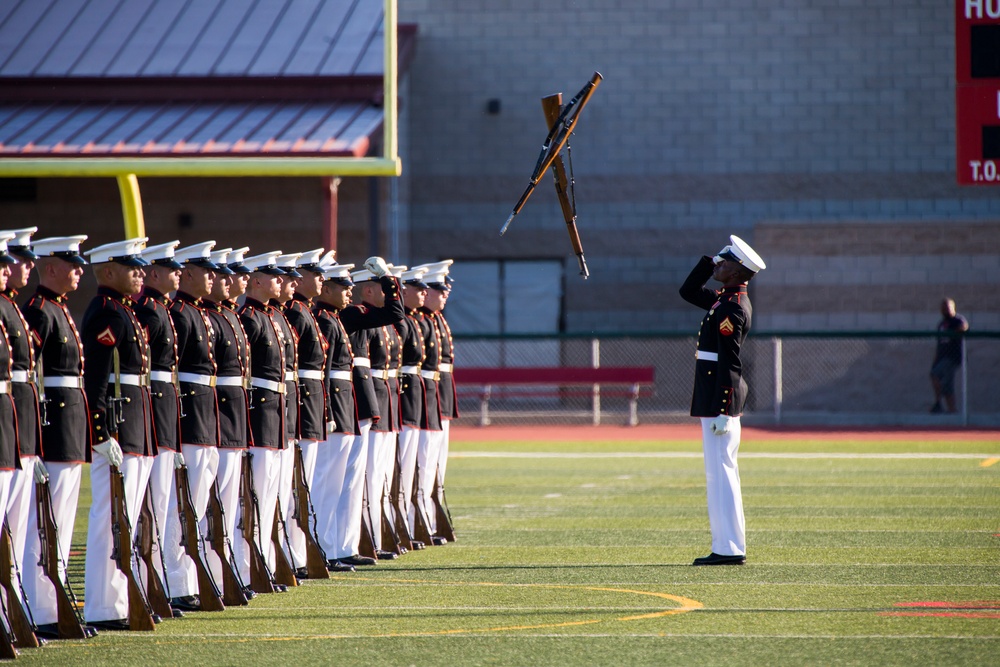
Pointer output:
x,y
17,615
208,591
303,511
146,535
232,585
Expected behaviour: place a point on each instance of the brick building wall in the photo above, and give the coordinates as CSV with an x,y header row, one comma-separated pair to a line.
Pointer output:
x,y
821,132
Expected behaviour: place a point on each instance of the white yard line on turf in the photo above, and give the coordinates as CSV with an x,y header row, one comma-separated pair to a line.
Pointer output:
x,y
698,455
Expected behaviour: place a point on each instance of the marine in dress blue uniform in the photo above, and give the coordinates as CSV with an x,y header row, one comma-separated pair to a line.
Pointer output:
x,y
116,380
23,389
152,308
720,390
66,433
10,458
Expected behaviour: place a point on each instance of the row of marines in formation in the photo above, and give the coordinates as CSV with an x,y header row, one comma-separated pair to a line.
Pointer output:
x,y
235,447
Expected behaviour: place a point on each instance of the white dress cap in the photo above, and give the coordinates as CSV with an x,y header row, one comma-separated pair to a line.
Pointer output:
x,y
436,274
127,252
162,254
310,260
236,260
329,259
287,263
362,276
63,247
740,251
396,271
5,257
20,244
414,277
339,273
199,254
265,263
220,258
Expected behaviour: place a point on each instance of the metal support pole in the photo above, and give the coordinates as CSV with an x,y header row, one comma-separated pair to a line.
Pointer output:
x,y
777,380
595,362
128,188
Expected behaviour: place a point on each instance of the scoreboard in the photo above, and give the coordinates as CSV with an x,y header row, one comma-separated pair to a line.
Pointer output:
x,y
977,91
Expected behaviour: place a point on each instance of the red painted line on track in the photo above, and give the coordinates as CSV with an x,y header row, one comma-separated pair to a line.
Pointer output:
x,y
944,614
972,604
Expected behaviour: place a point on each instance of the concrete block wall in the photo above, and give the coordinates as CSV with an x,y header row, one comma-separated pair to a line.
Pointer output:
x,y
830,117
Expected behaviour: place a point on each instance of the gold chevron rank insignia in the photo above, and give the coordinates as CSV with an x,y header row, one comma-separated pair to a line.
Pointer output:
x,y
726,327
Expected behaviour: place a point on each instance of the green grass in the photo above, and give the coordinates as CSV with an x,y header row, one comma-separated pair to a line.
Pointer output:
x,y
572,560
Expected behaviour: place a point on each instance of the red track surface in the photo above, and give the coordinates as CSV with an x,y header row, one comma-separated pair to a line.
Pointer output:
x,y
692,431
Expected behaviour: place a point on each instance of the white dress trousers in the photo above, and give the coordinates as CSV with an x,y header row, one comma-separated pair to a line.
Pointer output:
x,y
22,495
408,438
266,466
722,482
443,454
161,489
352,495
64,487
286,472
379,444
428,452
105,586
328,485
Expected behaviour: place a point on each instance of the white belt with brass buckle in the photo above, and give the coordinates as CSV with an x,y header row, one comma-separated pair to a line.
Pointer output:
x,y
161,376
229,381
707,356
339,375
310,375
392,372
131,379
63,381
445,368
21,376
430,375
276,387
410,370
363,361
194,378
290,376
4,387
381,374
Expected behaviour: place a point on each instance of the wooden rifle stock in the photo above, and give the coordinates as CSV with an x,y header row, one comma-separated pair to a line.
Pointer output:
x,y
69,624
145,535
140,616
366,547
208,591
315,556
399,513
552,105
390,541
20,622
284,573
232,587
443,515
7,639
261,580
421,524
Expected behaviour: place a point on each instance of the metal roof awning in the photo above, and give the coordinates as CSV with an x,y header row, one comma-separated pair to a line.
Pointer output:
x,y
188,129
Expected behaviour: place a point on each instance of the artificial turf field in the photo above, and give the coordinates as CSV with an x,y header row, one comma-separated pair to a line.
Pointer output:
x,y
575,548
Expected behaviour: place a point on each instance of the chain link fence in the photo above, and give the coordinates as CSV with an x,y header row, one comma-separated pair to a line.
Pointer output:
x,y
837,379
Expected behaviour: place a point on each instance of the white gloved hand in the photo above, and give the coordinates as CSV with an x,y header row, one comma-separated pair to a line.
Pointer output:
x,y
111,450
39,471
178,460
331,426
718,259
377,266
722,424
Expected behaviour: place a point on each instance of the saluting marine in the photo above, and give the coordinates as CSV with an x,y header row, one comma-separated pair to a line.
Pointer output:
x,y
116,380
66,434
720,390
380,306
10,458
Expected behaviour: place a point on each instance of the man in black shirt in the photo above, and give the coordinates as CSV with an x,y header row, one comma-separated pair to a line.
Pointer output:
x,y
947,356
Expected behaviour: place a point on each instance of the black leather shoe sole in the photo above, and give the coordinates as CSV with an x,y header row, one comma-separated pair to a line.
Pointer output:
x,y
438,540
386,555
186,603
357,560
118,624
337,566
719,559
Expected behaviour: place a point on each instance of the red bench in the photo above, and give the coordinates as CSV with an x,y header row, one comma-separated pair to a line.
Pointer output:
x,y
630,381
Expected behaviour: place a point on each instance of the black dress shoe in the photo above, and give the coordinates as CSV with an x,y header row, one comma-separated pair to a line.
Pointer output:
x,y
47,631
301,573
89,631
417,545
337,566
385,555
438,540
176,613
156,618
718,559
186,603
358,560
249,593
113,624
